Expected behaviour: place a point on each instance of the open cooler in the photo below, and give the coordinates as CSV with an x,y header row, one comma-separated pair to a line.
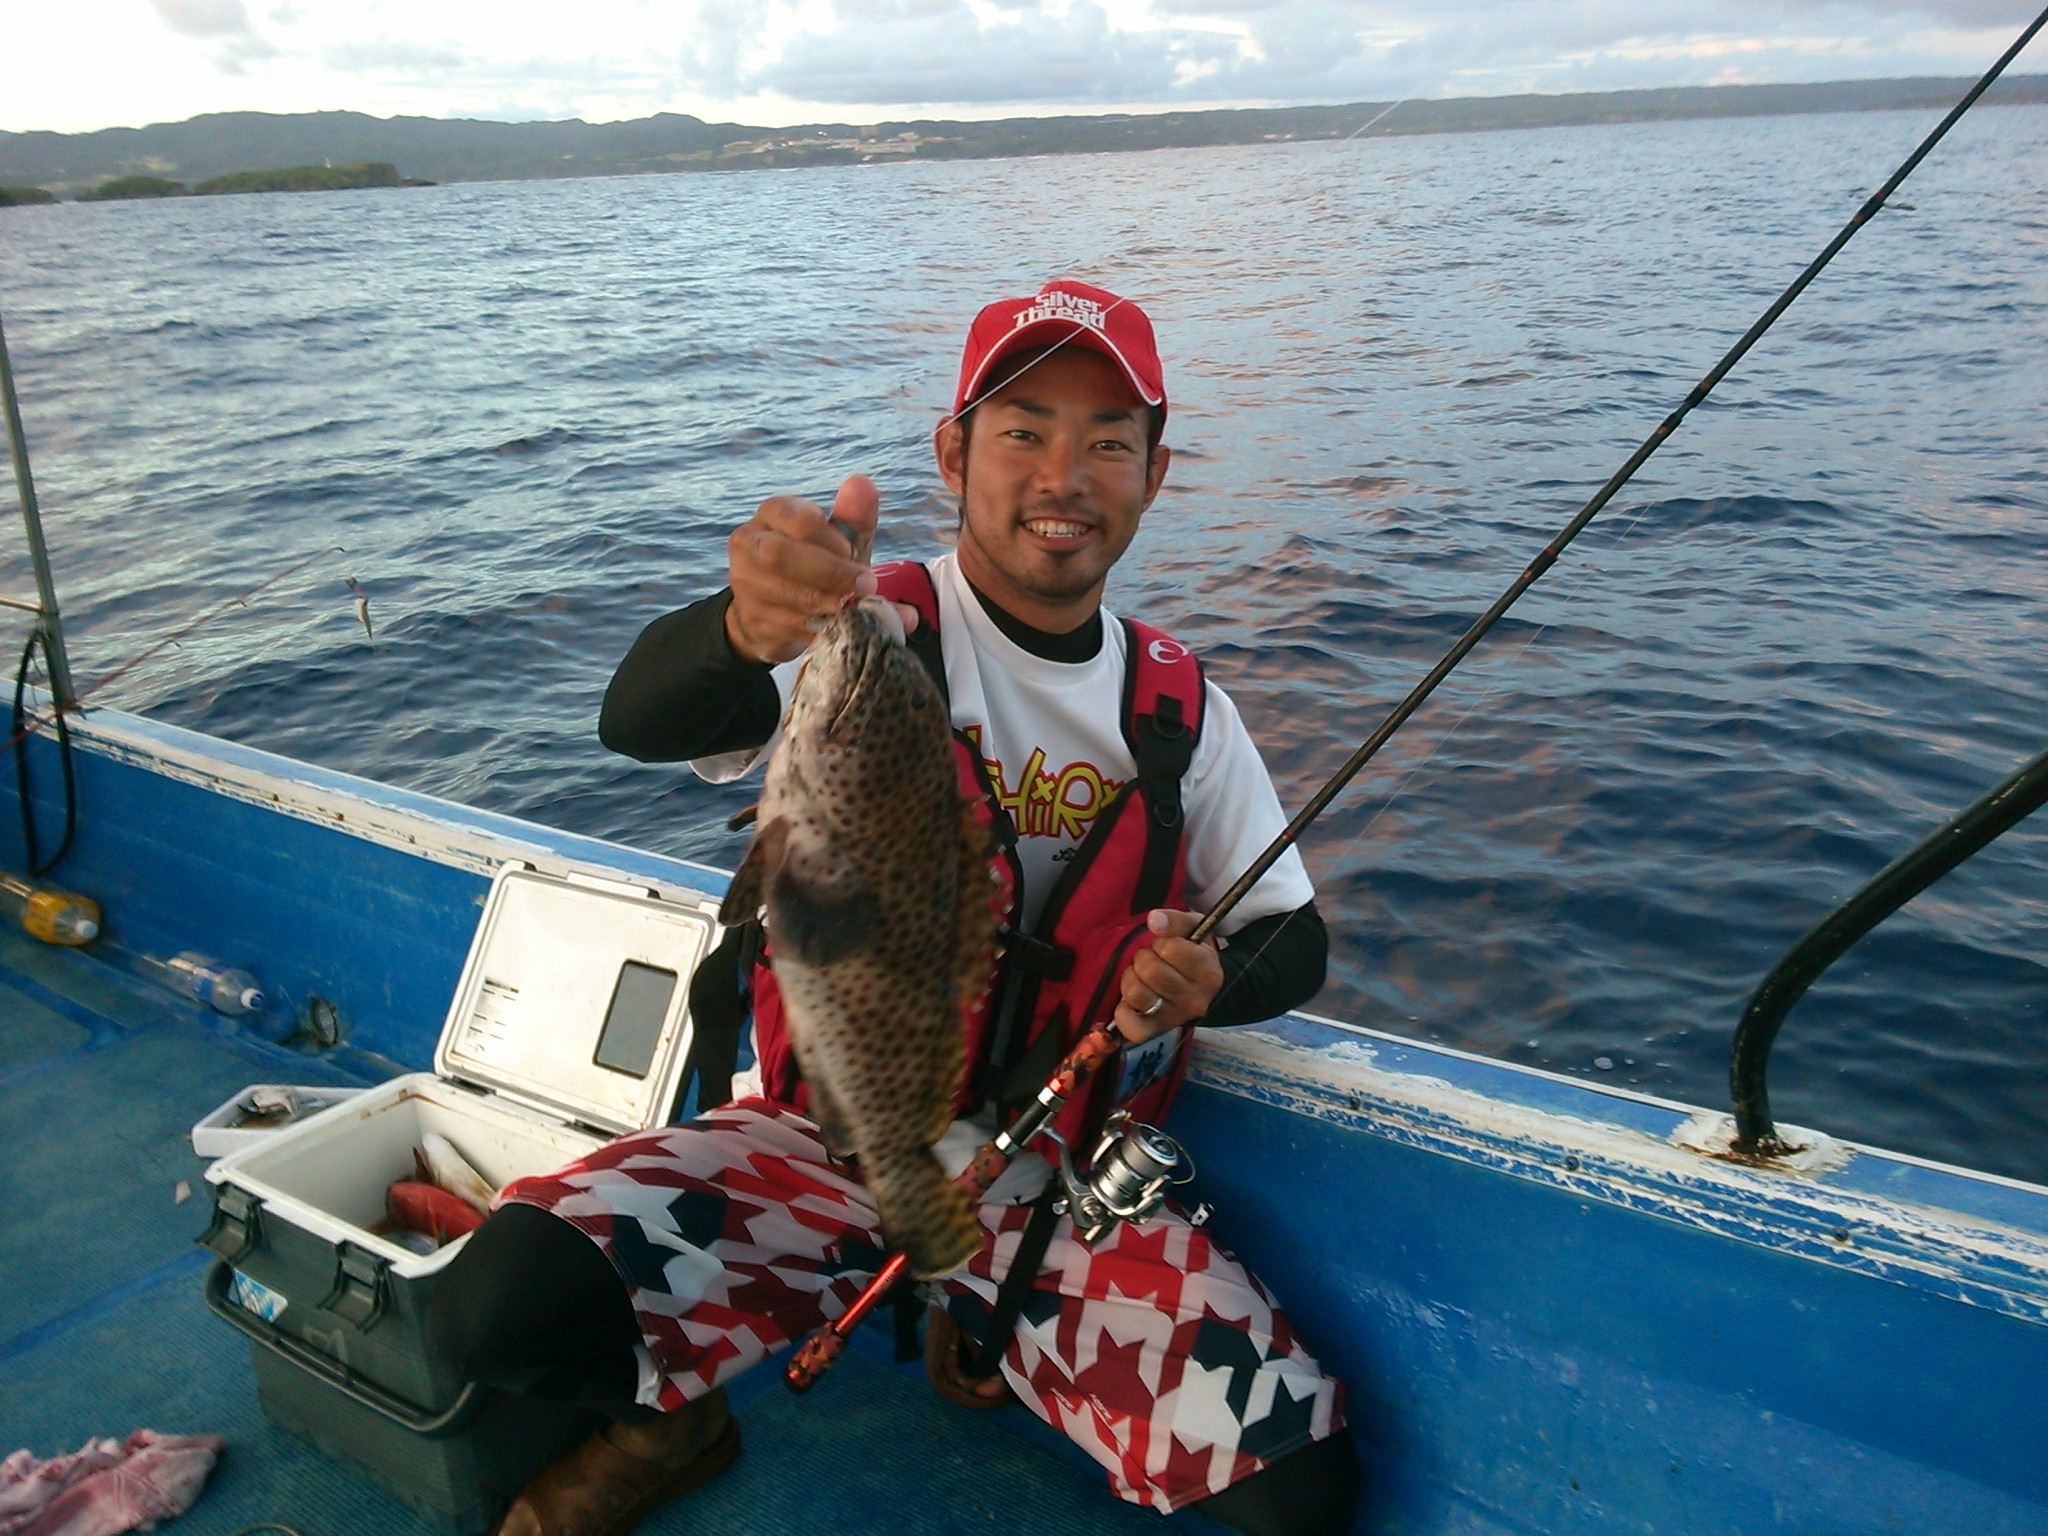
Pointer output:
x,y
569,1026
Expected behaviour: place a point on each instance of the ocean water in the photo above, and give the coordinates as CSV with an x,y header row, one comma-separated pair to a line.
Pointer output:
x,y
525,415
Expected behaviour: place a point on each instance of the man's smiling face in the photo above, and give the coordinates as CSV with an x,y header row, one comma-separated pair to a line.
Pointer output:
x,y
1052,485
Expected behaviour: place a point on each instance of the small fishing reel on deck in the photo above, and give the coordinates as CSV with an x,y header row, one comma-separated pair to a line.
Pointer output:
x,y
1132,1168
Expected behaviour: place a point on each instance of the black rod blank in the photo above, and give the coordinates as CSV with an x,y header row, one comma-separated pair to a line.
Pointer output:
x,y
1292,831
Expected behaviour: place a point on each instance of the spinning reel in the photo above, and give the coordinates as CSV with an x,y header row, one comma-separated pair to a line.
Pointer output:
x,y
1129,1173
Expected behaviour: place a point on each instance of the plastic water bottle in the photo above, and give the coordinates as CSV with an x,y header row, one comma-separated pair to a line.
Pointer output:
x,y
54,916
224,988
58,917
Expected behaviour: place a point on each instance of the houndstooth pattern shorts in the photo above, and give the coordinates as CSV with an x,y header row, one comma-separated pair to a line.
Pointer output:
x,y
1155,1350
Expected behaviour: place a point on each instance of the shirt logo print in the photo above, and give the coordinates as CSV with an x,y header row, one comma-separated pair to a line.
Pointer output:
x,y
1059,803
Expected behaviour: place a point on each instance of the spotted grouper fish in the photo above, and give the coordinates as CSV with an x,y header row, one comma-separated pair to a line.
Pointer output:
x,y
876,879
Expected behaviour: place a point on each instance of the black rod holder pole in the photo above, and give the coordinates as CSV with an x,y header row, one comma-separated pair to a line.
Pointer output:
x,y
1896,884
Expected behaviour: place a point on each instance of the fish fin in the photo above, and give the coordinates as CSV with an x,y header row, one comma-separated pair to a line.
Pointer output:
x,y
949,1061
817,922
744,818
925,1215
831,1119
976,922
976,917
744,897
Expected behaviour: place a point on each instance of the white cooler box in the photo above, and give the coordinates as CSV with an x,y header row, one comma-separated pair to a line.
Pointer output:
x,y
569,1026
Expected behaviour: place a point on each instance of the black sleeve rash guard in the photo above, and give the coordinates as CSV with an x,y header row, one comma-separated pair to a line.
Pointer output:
x,y
682,693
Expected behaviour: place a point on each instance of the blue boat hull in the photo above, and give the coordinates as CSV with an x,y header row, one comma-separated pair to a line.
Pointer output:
x,y
1554,1314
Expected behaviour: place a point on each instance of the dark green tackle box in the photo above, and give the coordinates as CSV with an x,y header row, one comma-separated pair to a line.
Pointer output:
x,y
569,1026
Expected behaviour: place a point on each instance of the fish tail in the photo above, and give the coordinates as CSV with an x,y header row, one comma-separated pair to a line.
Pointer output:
x,y
925,1215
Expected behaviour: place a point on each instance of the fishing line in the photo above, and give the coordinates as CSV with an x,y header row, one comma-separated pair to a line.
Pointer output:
x,y
1401,786
1354,133
22,733
1493,687
1550,553
1004,381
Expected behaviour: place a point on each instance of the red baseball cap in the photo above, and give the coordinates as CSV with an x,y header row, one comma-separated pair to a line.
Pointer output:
x,y
1064,313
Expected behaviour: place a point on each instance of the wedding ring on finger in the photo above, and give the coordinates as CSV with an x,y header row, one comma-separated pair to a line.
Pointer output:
x,y
1158,1003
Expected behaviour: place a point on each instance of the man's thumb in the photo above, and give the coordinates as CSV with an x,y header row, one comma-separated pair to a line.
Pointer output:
x,y
858,506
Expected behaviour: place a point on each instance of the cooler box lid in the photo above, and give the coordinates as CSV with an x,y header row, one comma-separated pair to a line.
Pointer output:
x,y
575,996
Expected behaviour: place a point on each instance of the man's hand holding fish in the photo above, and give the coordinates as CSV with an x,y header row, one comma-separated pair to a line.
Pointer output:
x,y
792,564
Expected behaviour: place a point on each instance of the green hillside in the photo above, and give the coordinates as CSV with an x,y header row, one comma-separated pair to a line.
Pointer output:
x,y
126,188
309,178
219,147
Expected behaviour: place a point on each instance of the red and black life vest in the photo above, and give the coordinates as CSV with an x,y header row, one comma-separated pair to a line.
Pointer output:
x,y
1057,981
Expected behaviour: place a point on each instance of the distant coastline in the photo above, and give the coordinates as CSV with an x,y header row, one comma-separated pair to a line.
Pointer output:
x,y
202,153
297,178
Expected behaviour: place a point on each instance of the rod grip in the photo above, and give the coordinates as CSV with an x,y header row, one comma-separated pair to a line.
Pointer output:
x,y
815,1356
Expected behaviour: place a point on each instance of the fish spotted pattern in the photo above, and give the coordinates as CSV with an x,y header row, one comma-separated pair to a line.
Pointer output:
x,y
876,880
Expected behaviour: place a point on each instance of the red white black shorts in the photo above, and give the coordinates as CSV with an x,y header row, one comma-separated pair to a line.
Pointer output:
x,y
1155,1350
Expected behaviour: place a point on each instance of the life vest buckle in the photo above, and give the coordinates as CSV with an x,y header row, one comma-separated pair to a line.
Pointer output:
x,y
1034,956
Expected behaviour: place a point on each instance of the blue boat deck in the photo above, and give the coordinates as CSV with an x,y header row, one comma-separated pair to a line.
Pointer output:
x,y
103,1329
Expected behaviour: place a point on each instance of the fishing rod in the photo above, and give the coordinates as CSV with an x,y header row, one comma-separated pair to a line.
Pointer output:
x,y
1290,834
817,1353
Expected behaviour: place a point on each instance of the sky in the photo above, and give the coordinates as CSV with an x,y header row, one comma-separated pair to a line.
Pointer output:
x,y
77,65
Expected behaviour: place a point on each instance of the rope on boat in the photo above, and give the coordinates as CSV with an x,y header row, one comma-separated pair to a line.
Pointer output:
x,y
1543,562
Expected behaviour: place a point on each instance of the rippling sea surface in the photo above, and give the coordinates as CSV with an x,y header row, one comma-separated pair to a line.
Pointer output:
x,y
1814,628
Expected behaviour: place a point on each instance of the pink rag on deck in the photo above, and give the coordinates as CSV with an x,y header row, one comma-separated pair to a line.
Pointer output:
x,y
106,1487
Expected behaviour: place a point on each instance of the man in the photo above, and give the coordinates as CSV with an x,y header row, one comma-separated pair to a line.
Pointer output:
x,y
1129,797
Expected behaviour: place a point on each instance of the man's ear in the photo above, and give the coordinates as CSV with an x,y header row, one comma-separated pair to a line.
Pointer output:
x,y
949,446
1155,471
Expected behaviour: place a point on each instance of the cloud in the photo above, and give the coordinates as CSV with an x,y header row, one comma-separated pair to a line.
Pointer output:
x,y
203,18
982,54
393,56
225,21
953,56
786,61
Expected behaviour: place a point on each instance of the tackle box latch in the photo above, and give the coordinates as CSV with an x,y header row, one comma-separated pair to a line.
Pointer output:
x,y
362,1287
237,1224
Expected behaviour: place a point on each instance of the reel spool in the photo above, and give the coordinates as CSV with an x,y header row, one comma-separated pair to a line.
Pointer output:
x,y
1129,1173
